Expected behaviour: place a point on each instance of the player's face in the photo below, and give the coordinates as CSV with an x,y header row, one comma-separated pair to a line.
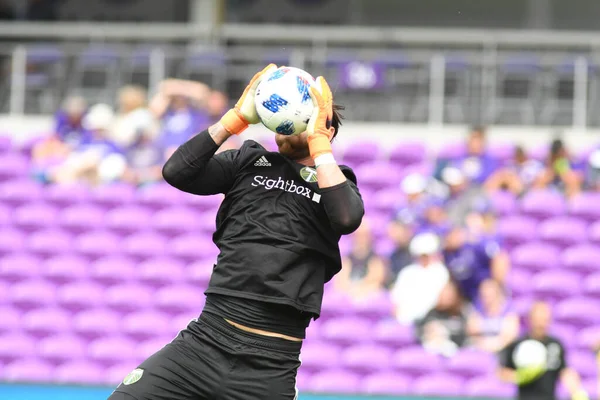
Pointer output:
x,y
540,318
293,146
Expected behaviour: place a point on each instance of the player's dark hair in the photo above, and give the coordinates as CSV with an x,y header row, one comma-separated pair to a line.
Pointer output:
x,y
336,121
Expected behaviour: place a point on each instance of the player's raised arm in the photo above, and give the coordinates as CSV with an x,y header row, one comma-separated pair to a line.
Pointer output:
x,y
194,167
340,196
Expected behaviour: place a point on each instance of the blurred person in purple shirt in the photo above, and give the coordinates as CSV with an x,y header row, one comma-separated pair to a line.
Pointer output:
x,y
477,165
471,262
494,324
559,171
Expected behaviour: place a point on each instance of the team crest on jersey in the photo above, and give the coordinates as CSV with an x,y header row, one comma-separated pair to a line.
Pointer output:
x,y
133,376
309,174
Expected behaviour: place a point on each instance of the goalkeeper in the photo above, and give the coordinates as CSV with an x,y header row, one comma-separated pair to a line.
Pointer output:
x,y
538,382
277,231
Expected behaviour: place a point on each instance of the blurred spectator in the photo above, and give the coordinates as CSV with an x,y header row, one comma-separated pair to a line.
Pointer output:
x,y
413,186
401,235
434,217
592,175
97,159
133,117
418,285
493,325
518,176
217,105
559,172
444,329
476,165
7,12
144,159
42,10
470,263
481,222
462,196
363,271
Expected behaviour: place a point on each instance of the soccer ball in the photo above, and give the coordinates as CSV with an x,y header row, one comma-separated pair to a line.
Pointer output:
x,y
530,353
283,100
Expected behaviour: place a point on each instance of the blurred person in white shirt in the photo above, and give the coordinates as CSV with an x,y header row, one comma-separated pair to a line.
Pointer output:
x,y
419,285
133,116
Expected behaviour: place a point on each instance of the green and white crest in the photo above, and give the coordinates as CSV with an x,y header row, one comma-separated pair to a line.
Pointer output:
x,y
309,174
133,376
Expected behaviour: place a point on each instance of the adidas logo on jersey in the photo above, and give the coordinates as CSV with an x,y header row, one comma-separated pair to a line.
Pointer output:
x,y
262,162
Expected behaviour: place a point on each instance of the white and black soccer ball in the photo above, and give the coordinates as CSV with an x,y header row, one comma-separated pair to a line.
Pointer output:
x,y
283,100
530,353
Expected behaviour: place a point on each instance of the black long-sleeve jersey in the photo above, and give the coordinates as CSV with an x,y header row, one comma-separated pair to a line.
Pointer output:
x,y
276,230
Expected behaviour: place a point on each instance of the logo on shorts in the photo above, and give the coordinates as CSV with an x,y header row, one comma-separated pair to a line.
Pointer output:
x,y
133,376
309,174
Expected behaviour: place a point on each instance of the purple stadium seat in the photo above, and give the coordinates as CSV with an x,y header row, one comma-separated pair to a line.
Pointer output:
x,y
337,381
536,256
65,195
128,219
303,380
158,272
176,220
594,232
585,205
382,383
30,294
203,203
489,387
18,266
516,229
82,217
386,201
347,330
16,345
6,215
366,358
566,333
563,231
416,361
160,195
199,273
581,257
501,152
583,362
113,195
179,298
190,247
10,321
111,349
79,295
19,192
47,242
591,285
46,321
11,240
519,281
14,165
408,153
335,304
95,323
144,245
97,243
439,384
28,370
60,348
543,204
65,268
452,151
35,216
110,270
319,356
554,285
3,292
79,372
587,338
578,311
379,175
5,143
128,297
361,152
374,307
181,321
145,324
470,363
522,304
148,347
504,203
390,332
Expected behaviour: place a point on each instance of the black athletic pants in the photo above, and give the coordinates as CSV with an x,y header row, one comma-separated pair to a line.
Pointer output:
x,y
213,360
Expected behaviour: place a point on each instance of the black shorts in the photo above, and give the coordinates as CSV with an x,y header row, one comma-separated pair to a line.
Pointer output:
x,y
213,360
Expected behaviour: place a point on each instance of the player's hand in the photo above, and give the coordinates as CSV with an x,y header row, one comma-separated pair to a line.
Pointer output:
x,y
244,113
580,395
529,374
319,129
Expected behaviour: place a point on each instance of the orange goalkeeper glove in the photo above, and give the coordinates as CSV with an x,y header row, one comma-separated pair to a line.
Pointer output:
x,y
244,113
319,129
